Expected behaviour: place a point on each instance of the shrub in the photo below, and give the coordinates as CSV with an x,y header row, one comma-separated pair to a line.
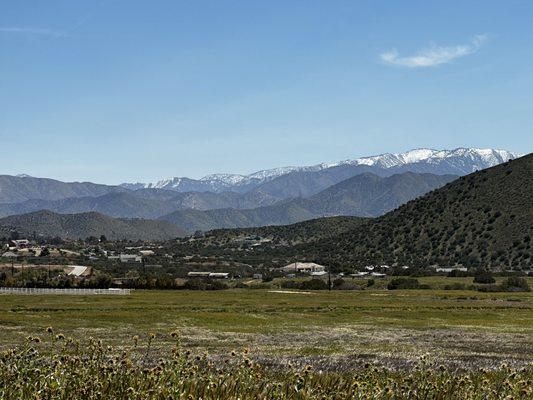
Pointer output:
x,y
314,284
457,273
338,282
200,284
515,284
290,285
311,284
403,283
484,278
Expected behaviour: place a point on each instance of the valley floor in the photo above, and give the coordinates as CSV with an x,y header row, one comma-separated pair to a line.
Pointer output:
x,y
331,330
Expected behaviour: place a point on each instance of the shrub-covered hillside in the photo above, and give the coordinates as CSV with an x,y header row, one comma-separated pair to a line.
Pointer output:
x,y
482,219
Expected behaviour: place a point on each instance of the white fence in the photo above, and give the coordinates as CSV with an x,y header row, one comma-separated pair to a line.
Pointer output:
x,y
13,290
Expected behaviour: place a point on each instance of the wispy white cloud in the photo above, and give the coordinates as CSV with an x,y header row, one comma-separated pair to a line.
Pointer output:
x,y
30,31
434,55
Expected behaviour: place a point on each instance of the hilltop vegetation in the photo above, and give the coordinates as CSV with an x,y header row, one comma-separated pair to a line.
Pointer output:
x,y
302,232
74,226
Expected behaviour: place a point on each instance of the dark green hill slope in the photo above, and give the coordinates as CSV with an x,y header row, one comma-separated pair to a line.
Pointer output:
x,y
75,226
306,231
482,219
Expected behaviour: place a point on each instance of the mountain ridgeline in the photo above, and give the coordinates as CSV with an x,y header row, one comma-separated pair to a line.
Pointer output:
x,y
290,182
80,226
483,219
365,187
365,195
15,189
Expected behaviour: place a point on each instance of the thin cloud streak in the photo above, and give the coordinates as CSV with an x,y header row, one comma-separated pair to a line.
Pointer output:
x,y
31,31
434,55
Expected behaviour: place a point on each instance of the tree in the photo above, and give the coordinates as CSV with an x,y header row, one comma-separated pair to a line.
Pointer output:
x,y
45,252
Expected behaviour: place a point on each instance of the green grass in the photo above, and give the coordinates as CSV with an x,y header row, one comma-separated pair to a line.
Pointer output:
x,y
458,327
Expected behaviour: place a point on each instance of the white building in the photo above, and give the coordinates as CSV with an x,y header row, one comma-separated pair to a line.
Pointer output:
x,y
130,258
450,269
303,267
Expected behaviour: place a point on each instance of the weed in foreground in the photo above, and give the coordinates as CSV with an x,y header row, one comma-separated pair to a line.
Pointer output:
x,y
57,367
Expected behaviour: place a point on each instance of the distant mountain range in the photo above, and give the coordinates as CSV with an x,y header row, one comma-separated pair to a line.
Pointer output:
x,y
365,195
459,161
15,189
483,219
368,186
76,226
480,220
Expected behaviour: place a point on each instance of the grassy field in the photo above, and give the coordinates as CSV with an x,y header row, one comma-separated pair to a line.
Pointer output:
x,y
331,330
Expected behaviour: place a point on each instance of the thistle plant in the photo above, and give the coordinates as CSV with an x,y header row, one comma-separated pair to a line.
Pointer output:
x,y
61,368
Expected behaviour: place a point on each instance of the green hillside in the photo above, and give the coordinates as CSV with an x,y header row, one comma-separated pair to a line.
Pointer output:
x,y
307,231
483,219
74,226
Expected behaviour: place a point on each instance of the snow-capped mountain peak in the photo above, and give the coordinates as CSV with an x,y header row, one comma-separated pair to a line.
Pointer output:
x,y
231,179
458,161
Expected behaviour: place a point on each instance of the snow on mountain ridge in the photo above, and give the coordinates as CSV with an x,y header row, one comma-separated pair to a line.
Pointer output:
x,y
465,159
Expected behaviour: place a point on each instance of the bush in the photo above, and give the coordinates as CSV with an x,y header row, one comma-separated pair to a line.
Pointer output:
x,y
314,284
290,285
515,284
484,278
338,282
403,283
341,284
200,284
454,273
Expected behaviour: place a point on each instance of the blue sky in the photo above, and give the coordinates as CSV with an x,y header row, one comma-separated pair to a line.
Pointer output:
x,y
113,91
